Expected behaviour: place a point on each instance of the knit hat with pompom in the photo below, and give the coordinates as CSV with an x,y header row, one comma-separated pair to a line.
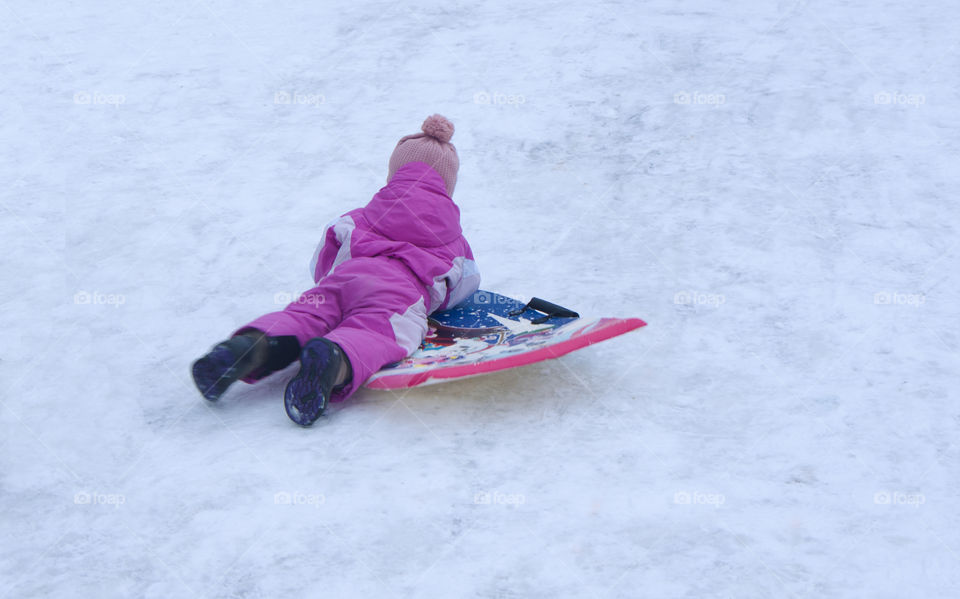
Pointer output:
x,y
433,147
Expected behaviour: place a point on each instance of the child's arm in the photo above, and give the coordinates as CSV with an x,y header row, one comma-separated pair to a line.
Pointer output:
x,y
462,281
334,249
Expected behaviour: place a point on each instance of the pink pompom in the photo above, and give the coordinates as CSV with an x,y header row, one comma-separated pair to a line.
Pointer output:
x,y
438,127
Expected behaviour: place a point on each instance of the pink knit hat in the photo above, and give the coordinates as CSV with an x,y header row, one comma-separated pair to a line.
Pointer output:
x,y
433,147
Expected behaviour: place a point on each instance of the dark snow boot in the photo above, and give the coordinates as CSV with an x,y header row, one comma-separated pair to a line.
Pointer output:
x,y
323,368
242,355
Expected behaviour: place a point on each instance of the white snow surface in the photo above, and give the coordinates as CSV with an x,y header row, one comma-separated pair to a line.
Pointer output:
x,y
771,185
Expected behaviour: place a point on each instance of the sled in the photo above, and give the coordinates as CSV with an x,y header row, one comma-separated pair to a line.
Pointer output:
x,y
491,332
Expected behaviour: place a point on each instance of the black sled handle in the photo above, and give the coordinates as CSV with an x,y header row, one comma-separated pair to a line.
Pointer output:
x,y
549,308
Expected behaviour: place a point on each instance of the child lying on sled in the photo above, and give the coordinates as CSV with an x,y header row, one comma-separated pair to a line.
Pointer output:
x,y
379,272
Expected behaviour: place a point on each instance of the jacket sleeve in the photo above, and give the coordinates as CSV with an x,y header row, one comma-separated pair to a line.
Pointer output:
x,y
468,284
334,248
462,281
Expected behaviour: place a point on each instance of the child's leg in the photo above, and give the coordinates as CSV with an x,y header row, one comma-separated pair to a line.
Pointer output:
x,y
266,345
373,334
383,319
313,314
384,316
371,340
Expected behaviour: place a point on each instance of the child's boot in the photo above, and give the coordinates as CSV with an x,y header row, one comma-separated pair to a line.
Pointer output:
x,y
240,356
323,368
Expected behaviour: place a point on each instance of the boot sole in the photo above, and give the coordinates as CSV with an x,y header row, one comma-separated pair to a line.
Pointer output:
x,y
307,393
213,373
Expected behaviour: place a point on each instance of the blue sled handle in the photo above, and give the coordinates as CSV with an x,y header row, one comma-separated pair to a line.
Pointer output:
x,y
551,310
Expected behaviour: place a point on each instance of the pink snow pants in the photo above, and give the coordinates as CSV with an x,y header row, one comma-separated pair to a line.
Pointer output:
x,y
373,308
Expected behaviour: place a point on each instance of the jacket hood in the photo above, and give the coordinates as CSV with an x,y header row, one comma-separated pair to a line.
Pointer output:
x,y
414,207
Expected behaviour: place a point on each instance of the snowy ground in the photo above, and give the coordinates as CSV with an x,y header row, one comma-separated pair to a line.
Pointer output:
x,y
770,184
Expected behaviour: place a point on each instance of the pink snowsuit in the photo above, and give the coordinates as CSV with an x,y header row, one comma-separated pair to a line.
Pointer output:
x,y
380,270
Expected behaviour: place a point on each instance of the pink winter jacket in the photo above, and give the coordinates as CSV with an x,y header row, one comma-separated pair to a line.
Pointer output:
x,y
413,220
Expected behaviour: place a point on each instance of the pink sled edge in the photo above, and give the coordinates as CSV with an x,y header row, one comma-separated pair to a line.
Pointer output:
x,y
402,381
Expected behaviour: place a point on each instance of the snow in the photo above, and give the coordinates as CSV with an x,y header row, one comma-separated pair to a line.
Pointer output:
x,y
768,184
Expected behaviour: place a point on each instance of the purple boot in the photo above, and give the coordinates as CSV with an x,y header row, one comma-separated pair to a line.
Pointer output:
x,y
251,353
225,363
322,364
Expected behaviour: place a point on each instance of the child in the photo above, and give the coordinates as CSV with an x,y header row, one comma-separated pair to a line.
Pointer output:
x,y
379,271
